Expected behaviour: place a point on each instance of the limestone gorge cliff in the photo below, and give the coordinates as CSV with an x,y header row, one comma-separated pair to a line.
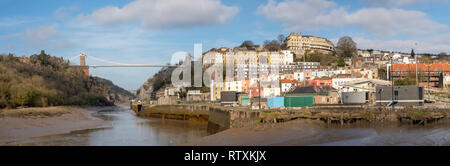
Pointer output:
x,y
110,91
42,80
155,84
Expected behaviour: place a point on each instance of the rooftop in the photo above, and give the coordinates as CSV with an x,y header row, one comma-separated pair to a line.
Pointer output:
x,y
312,89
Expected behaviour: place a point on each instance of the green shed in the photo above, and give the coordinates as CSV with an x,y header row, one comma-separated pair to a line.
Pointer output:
x,y
298,101
245,100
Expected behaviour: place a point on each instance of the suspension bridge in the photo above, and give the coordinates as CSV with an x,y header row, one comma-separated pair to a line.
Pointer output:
x,y
85,68
83,57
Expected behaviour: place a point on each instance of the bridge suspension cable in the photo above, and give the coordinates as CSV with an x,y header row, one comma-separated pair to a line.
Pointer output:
x,y
74,57
117,64
106,61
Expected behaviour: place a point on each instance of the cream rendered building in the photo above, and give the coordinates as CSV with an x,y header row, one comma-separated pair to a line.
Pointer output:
x,y
298,43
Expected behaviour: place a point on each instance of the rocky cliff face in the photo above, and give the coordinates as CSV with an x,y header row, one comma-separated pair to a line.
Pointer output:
x,y
154,84
112,92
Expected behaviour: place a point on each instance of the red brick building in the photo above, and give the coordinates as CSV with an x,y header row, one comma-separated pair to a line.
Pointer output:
x,y
428,74
324,81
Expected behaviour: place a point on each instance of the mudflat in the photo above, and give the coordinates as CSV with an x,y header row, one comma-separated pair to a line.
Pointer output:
x,y
315,133
18,124
262,135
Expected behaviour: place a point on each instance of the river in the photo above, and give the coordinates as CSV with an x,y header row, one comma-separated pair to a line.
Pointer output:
x,y
127,130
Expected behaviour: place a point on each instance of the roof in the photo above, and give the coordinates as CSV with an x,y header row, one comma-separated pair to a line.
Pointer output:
x,y
421,67
343,76
312,89
365,80
288,81
323,78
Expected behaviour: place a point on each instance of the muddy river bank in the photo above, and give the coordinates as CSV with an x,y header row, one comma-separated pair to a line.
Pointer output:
x,y
124,129
318,133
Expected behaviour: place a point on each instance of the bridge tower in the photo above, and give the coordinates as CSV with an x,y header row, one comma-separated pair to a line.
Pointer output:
x,y
82,59
83,65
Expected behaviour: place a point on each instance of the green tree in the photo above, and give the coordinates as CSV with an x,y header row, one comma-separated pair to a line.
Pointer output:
x,y
247,44
341,62
49,80
405,81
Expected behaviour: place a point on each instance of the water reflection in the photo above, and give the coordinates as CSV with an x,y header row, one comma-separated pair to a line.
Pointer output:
x,y
128,130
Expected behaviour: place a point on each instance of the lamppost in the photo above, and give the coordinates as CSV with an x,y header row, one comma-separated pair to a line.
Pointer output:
x,y
259,92
428,66
415,60
392,85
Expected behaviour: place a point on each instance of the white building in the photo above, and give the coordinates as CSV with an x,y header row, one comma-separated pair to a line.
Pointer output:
x,y
363,53
288,57
212,58
299,76
447,81
233,86
408,60
338,82
270,92
286,85
397,56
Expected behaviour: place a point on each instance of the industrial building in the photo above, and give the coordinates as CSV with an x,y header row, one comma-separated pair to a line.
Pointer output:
x,y
355,97
399,95
290,101
321,94
228,98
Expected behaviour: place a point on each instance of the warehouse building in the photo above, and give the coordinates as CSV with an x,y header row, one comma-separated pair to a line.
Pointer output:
x,y
399,95
228,98
355,97
321,94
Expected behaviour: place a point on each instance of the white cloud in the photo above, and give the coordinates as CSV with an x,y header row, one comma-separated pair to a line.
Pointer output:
x,y
16,21
65,11
431,44
389,3
321,14
158,14
40,36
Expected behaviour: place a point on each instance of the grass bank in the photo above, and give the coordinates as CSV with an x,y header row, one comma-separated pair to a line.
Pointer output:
x,y
36,111
178,112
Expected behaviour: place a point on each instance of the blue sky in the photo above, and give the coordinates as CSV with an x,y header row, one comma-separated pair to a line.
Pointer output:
x,y
150,31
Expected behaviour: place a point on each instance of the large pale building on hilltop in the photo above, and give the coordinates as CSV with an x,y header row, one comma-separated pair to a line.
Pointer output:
x,y
298,43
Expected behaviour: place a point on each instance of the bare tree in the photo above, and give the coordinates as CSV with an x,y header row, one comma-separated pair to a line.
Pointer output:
x,y
346,47
282,40
273,45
